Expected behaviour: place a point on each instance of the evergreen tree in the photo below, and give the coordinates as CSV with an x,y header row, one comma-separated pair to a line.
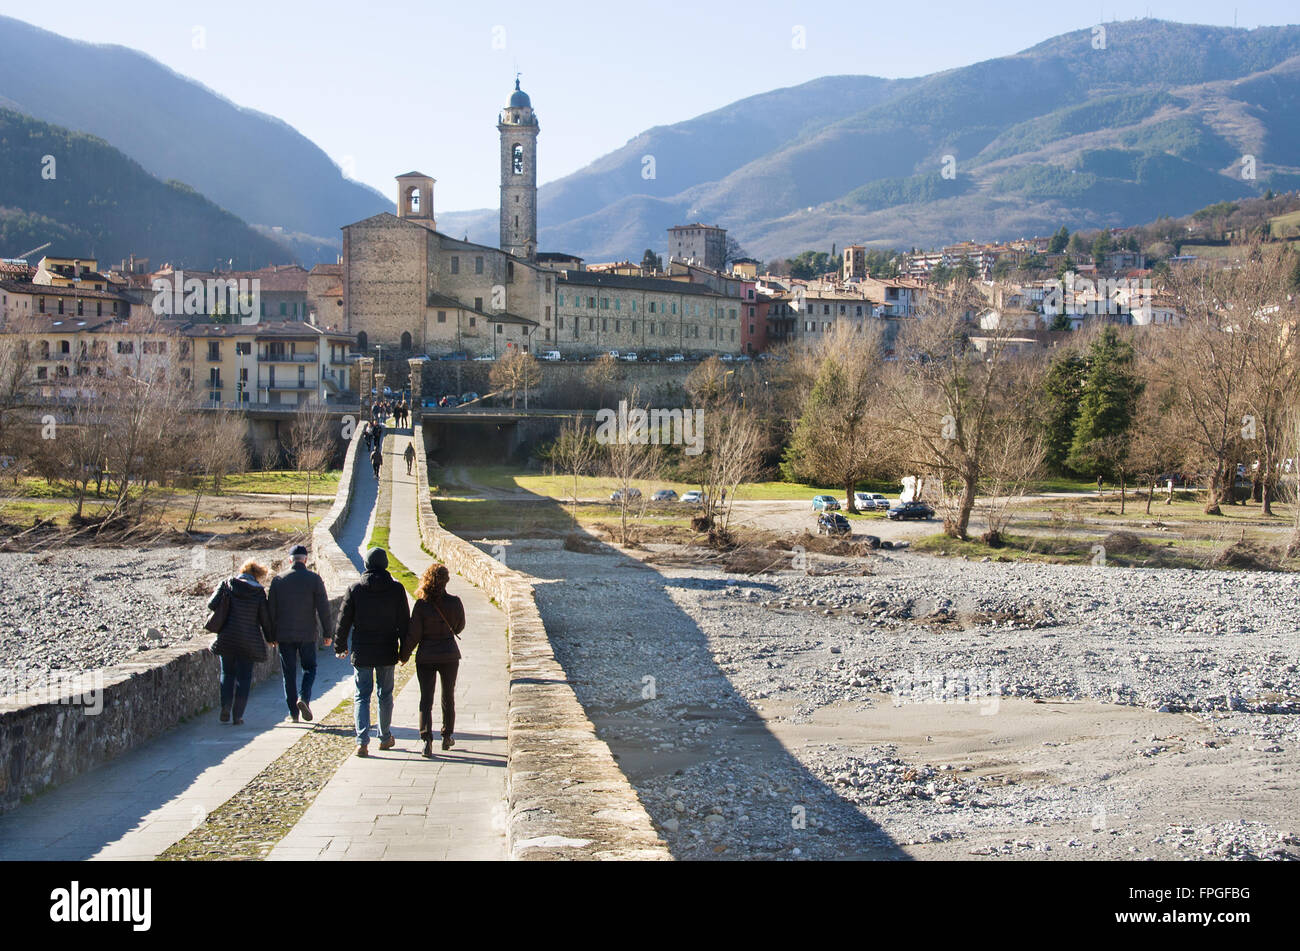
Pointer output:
x,y
1061,391
1060,241
1107,403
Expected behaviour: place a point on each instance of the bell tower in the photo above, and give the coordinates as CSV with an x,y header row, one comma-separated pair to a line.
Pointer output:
x,y
415,197
518,127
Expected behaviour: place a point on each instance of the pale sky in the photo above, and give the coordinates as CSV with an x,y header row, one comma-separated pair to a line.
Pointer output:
x,y
386,86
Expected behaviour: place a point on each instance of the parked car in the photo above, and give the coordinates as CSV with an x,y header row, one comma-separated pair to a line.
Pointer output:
x,y
664,495
632,495
870,502
469,397
833,523
652,356
676,358
484,359
727,357
551,355
906,510
614,354
630,357
825,503
455,355
693,497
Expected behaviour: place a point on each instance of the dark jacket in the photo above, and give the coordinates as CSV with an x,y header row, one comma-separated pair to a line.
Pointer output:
x,y
377,457
297,601
375,615
248,628
430,634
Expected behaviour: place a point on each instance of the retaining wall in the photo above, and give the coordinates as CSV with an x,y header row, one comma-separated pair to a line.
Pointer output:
x,y
46,743
566,795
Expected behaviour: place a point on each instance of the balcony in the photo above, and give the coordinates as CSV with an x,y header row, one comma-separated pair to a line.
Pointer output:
x,y
267,357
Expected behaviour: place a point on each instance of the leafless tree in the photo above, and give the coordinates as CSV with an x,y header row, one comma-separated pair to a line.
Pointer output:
x,y
574,452
632,458
731,448
219,450
837,438
515,373
311,444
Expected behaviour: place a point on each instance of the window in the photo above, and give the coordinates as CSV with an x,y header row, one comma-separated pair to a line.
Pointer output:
x,y
40,304
442,316
618,303
591,323
60,305
548,311
81,307
99,309
591,302
65,347
826,308
478,303
500,328
618,326
455,264
548,333
126,346
559,323
478,264
604,324
674,307
652,307
548,287
561,300
473,321
510,269
284,308
243,348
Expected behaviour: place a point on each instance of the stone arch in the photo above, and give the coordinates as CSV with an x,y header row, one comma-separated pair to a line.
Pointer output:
x,y
406,341
363,342
413,200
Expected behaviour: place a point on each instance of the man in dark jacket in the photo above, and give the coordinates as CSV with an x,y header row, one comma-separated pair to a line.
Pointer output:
x,y
375,616
297,602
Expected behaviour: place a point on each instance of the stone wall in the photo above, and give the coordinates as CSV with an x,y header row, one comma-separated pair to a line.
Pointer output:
x,y
44,744
567,798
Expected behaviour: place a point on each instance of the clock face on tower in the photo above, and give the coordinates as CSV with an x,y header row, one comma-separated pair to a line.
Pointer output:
x,y
519,160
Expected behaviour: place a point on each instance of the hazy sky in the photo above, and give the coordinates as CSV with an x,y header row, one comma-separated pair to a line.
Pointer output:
x,y
386,86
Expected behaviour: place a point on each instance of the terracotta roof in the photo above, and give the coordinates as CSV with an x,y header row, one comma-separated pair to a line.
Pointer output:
x,y
48,290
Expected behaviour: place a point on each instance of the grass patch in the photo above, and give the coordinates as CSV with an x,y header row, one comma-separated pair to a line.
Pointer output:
x,y
281,482
399,571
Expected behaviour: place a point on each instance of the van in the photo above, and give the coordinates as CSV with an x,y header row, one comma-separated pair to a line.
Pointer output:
x,y
551,355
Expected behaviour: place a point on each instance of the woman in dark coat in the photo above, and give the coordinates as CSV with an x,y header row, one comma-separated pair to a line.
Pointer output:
x,y
436,619
243,638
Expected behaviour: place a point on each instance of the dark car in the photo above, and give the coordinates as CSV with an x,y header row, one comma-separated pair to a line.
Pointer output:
x,y
455,355
910,510
833,523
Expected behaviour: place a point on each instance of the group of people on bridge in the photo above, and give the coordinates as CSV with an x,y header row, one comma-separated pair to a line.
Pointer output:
x,y
377,630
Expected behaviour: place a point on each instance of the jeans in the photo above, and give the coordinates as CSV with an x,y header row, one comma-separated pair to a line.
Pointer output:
x,y
236,682
428,675
366,679
290,656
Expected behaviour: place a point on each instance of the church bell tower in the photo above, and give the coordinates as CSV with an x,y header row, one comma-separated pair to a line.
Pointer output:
x,y
518,127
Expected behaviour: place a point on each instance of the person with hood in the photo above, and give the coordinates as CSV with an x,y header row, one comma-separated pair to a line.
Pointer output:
x,y
374,617
297,601
409,456
243,637
436,619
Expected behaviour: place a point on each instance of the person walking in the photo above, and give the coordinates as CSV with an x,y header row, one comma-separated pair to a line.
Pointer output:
x,y
297,602
243,637
368,436
436,620
375,616
376,460
409,456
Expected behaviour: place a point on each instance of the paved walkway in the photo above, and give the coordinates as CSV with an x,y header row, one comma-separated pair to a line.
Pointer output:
x,y
396,804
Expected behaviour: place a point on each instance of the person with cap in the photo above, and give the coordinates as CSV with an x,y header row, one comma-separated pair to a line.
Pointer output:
x,y
374,618
297,603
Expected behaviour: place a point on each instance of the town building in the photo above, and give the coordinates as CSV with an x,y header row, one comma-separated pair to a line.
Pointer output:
x,y
701,244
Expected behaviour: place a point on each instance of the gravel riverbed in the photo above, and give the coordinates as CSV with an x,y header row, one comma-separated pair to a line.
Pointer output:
x,y
940,708
76,610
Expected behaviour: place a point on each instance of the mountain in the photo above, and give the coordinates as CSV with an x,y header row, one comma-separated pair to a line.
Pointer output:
x,y
252,164
90,200
1156,123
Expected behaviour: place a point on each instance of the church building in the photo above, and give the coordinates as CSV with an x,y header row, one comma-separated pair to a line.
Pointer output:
x,y
411,288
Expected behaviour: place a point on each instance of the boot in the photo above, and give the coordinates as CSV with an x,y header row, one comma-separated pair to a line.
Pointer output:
x,y
225,715
427,752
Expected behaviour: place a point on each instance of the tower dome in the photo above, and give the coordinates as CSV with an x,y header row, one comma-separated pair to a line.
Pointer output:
x,y
519,99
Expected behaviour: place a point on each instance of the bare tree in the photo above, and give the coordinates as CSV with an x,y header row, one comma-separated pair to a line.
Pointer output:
x,y
732,444
219,450
1013,459
516,372
311,444
950,400
837,438
632,458
602,375
574,452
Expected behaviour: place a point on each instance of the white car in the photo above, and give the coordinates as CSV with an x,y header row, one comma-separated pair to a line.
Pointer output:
x,y
675,358
630,357
551,355
870,501
614,354
693,497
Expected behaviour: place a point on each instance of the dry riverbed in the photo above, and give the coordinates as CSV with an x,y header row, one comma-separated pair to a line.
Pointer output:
x,y
939,708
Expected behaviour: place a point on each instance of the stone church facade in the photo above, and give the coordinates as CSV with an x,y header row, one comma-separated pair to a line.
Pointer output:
x,y
410,288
